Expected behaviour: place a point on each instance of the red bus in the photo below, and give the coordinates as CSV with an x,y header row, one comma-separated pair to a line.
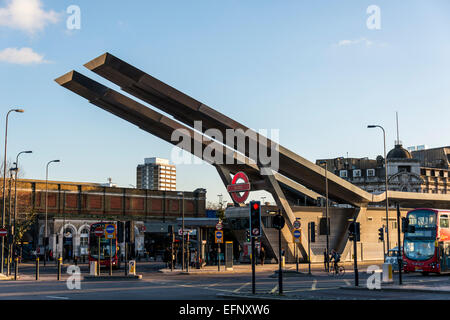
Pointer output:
x,y
427,250
105,249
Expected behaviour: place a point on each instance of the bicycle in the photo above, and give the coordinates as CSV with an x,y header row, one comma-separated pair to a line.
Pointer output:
x,y
339,271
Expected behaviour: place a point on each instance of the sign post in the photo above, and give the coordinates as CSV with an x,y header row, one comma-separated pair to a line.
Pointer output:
x,y
99,233
110,233
219,240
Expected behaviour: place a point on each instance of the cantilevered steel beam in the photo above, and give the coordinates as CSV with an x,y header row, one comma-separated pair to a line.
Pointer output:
x,y
163,127
187,110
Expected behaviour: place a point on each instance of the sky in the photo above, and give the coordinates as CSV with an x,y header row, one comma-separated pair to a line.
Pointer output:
x,y
318,71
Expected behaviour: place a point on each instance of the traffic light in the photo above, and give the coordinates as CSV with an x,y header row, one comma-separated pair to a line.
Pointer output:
x,y
357,231
120,227
406,227
312,230
278,222
255,218
354,232
247,235
129,232
381,234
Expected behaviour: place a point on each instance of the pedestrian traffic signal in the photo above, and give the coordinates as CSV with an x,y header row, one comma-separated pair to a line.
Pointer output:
x,y
381,234
255,218
312,231
247,235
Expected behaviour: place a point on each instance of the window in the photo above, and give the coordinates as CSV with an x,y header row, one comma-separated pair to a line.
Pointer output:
x,y
357,173
371,172
443,221
343,173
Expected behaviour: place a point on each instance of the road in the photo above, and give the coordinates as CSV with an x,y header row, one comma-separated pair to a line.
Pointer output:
x,y
162,286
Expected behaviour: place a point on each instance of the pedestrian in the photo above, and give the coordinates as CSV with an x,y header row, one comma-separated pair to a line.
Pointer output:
x,y
262,255
325,260
193,258
212,257
166,257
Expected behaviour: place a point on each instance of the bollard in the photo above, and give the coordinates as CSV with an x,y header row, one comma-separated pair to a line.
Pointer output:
x,y
59,268
16,268
37,268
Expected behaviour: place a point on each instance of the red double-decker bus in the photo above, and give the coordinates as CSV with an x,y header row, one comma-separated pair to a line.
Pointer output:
x,y
427,249
105,248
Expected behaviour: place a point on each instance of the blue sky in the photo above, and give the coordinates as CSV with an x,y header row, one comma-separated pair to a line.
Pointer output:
x,y
309,68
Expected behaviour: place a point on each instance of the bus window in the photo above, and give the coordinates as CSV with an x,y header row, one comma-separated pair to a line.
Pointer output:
x,y
443,223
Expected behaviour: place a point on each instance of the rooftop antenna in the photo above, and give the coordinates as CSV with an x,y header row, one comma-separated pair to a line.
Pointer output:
x,y
398,142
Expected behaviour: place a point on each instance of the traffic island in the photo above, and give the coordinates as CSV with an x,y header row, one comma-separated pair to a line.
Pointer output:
x,y
112,278
289,273
404,288
256,296
5,277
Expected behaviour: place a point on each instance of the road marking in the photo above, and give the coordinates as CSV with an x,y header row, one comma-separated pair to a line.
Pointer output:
x,y
274,289
347,282
54,297
313,287
241,287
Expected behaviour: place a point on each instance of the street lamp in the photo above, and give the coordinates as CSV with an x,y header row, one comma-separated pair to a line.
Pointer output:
x,y
46,209
326,211
386,183
15,199
182,229
4,184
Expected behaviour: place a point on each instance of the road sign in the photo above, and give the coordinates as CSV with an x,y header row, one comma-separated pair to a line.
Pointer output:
x,y
296,224
219,225
239,191
99,231
296,235
3,232
187,231
110,231
219,236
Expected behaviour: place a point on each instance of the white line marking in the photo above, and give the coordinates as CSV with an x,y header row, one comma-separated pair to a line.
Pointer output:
x,y
347,282
274,289
313,287
54,297
241,287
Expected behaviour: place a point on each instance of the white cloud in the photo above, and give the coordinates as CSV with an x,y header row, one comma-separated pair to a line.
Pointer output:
x,y
23,56
26,15
365,41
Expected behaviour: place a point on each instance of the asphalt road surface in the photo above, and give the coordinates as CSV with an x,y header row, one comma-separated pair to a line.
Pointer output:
x,y
163,286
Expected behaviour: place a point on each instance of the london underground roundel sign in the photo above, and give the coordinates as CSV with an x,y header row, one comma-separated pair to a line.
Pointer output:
x,y
239,187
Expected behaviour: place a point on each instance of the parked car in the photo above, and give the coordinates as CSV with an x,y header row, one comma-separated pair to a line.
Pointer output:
x,y
392,258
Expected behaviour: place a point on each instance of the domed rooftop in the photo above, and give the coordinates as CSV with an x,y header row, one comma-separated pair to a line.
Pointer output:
x,y
399,153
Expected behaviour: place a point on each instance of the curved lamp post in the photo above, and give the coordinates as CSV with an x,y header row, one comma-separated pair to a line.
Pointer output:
x,y
46,208
15,199
326,212
386,183
4,184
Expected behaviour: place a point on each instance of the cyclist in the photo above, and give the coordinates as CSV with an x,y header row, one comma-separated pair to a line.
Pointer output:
x,y
336,257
